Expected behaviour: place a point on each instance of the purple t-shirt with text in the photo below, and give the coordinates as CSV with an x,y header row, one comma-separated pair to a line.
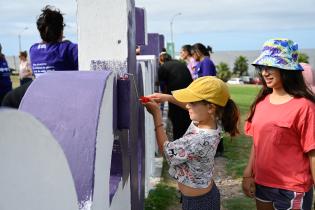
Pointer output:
x,y
59,56
5,81
205,68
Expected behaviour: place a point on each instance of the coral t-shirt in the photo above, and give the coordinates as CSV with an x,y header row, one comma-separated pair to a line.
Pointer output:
x,y
283,134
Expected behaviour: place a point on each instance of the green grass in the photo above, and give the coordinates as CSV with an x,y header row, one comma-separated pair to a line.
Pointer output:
x,y
239,203
161,198
15,81
237,149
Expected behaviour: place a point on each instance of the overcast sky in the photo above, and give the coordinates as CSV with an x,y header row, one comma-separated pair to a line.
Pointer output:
x,y
223,24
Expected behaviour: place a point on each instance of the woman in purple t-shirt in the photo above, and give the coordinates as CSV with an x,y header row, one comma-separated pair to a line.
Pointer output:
x,y
52,54
205,66
5,81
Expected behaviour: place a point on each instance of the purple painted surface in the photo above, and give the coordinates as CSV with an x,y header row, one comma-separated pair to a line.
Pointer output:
x,y
136,145
161,41
115,105
123,103
153,47
141,139
68,104
137,201
140,26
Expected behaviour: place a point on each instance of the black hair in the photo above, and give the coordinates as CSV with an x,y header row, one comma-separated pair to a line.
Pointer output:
x,y
165,57
198,47
23,53
187,48
1,55
50,24
293,83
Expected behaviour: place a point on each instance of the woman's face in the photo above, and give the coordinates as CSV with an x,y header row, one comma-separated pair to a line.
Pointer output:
x,y
22,57
272,77
199,111
184,54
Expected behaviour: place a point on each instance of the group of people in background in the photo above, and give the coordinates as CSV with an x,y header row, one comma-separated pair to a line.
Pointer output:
x,y
53,53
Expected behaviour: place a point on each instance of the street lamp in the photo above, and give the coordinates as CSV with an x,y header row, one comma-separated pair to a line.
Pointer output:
x,y
19,35
171,24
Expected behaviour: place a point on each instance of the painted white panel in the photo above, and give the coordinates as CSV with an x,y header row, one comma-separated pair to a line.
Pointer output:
x,y
104,145
34,170
102,31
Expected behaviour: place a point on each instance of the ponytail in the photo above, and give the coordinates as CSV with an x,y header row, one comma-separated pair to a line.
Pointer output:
x,y
209,48
230,116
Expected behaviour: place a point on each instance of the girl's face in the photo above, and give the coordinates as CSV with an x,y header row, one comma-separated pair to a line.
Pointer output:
x,y
22,58
183,54
271,76
200,111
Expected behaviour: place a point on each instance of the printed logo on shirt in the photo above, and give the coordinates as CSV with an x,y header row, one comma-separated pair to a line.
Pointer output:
x,y
40,68
41,46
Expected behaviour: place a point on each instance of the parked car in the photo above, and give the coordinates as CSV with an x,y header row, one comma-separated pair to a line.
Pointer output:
x,y
248,80
257,81
235,81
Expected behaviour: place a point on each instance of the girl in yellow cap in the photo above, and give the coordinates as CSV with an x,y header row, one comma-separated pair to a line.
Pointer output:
x,y
191,157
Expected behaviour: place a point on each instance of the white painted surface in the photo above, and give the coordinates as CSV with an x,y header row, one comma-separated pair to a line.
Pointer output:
x,y
148,65
103,36
104,145
102,31
34,170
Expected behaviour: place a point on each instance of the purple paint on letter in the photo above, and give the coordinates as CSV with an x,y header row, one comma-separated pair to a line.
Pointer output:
x,y
68,104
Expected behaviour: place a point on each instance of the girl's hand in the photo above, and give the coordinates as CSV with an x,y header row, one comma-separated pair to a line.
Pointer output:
x,y
159,97
248,185
152,106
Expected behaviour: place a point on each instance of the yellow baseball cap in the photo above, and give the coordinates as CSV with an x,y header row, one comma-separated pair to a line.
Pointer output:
x,y
208,88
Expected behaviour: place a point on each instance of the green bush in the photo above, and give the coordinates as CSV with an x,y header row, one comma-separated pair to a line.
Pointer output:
x,y
162,197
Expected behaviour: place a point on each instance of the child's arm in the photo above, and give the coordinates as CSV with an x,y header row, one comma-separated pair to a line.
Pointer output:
x,y
311,155
160,134
160,98
248,183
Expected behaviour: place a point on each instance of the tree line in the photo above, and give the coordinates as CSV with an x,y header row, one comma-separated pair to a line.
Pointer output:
x,y
240,67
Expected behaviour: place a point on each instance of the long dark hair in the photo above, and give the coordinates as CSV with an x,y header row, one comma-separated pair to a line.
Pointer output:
x,y
198,47
1,55
293,83
230,117
50,24
187,48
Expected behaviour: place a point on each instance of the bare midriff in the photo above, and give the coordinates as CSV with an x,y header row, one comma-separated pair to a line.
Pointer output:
x,y
189,191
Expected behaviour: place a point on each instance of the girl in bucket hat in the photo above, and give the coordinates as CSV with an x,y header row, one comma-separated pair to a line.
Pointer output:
x,y
281,169
191,157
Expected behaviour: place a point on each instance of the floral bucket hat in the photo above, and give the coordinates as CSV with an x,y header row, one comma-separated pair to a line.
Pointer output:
x,y
279,53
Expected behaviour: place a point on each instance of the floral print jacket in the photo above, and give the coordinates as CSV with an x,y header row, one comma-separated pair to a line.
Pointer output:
x,y
191,158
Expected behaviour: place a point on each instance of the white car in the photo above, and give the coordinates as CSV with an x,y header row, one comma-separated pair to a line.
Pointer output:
x,y
235,81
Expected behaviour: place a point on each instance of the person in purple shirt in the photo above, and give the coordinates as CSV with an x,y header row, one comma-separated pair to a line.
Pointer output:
x,y
5,81
205,66
52,54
